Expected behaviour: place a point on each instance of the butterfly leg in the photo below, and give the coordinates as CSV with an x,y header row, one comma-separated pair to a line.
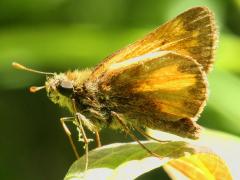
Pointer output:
x,y
63,121
80,118
85,139
130,133
98,141
142,132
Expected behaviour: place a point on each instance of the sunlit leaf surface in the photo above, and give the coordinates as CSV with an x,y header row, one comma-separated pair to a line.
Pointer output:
x,y
203,166
224,145
129,160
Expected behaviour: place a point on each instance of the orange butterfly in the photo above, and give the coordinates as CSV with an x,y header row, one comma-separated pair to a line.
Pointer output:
x,y
157,82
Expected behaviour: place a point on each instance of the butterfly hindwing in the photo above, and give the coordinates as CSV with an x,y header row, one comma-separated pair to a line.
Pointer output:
x,y
157,90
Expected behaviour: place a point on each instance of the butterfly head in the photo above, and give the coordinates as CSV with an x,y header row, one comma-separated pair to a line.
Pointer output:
x,y
59,87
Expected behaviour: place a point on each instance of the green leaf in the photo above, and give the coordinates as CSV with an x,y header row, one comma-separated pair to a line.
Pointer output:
x,y
129,160
224,145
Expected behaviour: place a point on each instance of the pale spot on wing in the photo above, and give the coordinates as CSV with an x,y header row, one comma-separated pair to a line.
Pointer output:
x,y
136,60
199,19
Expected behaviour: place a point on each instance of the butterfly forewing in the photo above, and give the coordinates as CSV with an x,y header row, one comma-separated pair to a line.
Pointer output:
x,y
157,89
192,33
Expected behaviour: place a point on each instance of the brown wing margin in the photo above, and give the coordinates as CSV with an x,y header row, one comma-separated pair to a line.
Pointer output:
x,y
192,33
157,90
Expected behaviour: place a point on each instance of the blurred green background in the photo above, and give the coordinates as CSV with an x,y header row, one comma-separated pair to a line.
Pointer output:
x,y
57,35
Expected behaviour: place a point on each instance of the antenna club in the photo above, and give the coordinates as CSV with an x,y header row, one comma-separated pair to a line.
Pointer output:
x,y
18,66
34,89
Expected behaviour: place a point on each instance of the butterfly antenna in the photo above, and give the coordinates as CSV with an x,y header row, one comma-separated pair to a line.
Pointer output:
x,y
21,67
32,89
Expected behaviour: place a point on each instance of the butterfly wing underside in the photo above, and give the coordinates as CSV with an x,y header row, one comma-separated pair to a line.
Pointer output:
x,y
160,81
161,90
192,33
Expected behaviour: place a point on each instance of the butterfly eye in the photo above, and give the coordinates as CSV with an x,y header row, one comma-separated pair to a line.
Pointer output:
x,y
65,88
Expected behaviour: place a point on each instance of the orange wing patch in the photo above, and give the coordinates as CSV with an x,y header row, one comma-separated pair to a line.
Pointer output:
x,y
167,78
192,33
165,86
157,89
